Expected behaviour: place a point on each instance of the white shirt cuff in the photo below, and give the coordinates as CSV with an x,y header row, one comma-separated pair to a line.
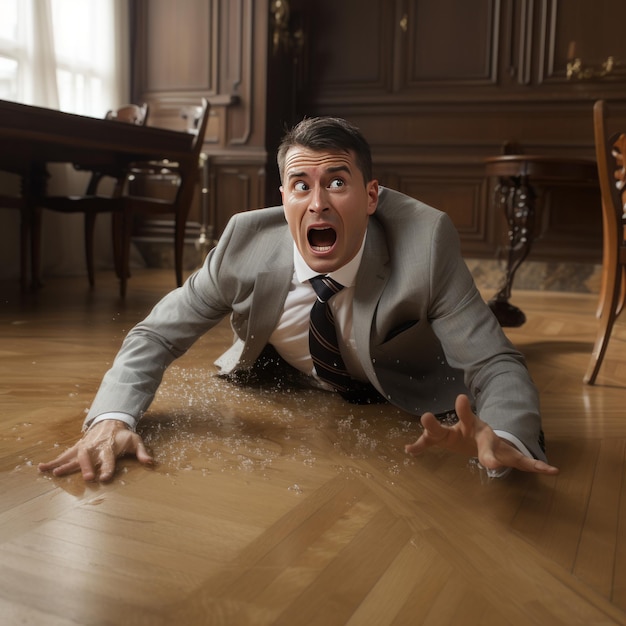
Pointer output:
x,y
129,420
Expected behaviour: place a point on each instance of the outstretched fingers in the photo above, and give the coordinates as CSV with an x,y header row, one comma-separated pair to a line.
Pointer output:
x,y
63,459
96,454
142,454
459,437
474,438
507,455
434,434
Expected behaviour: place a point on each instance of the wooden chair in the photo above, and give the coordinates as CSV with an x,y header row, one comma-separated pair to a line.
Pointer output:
x,y
611,159
187,172
90,204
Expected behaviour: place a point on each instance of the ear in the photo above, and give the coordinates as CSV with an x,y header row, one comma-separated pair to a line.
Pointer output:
x,y
282,194
372,194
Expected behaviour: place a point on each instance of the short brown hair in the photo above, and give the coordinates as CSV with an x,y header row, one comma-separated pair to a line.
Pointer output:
x,y
327,133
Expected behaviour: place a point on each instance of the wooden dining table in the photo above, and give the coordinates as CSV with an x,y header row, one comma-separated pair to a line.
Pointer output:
x,y
32,137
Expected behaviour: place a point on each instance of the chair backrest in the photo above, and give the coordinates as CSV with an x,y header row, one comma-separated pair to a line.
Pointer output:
x,y
130,113
189,167
11,202
610,156
201,126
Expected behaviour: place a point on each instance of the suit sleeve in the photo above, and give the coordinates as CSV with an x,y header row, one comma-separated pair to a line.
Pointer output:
x,y
169,330
473,341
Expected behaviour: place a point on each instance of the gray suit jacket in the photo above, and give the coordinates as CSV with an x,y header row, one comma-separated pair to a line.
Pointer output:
x,y
423,333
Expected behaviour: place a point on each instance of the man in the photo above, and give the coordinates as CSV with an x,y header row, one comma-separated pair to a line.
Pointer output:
x,y
412,327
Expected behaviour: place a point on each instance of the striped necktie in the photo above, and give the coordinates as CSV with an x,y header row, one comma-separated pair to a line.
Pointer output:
x,y
323,336
324,347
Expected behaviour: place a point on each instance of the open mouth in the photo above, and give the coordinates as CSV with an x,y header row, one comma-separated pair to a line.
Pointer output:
x,y
322,239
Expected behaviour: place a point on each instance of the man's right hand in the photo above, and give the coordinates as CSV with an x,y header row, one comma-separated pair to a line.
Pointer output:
x,y
96,453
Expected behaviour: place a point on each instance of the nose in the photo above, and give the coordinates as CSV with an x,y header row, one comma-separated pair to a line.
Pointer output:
x,y
317,201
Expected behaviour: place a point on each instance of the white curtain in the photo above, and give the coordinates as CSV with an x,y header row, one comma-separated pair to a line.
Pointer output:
x,y
70,55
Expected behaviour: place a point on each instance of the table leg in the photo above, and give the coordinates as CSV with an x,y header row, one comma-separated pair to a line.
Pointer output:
x,y
33,187
517,198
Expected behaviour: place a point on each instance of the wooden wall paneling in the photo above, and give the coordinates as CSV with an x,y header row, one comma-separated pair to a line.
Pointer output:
x,y
476,130
181,49
450,43
236,59
555,48
216,49
572,224
170,65
520,38
457,188
467,80
215,136
175,60
236,188
590,31
435,94
437,155
233,187
350,45
282,91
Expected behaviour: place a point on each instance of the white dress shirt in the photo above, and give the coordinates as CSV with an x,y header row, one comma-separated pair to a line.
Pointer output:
x,y
291,336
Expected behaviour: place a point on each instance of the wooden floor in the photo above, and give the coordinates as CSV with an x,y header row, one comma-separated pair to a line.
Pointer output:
x,y
275,506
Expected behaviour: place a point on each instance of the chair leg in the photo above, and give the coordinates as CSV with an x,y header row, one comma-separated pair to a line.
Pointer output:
x,y
605,263
117,235
622,297
609,307
118,238
124,227
24,248
179,248
606,235
90,226
602,295
35,246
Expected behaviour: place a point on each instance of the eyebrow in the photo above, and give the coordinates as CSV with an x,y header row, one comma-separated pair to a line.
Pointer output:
x,y
330,170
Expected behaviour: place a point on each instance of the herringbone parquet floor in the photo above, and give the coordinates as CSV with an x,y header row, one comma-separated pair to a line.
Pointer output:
x,y
275,506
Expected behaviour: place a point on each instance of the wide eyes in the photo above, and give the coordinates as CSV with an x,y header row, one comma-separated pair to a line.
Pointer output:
x,y
335,183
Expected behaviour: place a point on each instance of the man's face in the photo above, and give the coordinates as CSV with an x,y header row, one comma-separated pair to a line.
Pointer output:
x,y
327,205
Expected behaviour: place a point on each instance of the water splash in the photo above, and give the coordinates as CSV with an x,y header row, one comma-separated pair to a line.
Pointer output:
x,y
205,424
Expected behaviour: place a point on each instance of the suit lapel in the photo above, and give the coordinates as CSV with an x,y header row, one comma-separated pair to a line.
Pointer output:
x,y
270,290
272,286
370,282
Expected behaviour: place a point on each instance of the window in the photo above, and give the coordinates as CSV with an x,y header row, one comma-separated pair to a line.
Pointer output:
x,y
9,49
85,57
66,54
69,55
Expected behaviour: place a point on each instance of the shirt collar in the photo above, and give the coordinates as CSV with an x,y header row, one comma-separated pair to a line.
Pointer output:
x,y
345,275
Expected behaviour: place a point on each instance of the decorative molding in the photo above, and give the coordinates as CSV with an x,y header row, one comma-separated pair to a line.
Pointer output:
x,y
245,25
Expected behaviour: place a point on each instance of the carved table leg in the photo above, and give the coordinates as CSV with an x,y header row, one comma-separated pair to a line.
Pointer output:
x,y
517,198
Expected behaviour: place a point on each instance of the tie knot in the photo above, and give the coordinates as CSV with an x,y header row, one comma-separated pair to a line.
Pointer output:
x,y
325,287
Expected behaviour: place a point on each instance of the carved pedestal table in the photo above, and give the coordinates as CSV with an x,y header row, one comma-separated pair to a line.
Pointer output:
x,y
515,194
